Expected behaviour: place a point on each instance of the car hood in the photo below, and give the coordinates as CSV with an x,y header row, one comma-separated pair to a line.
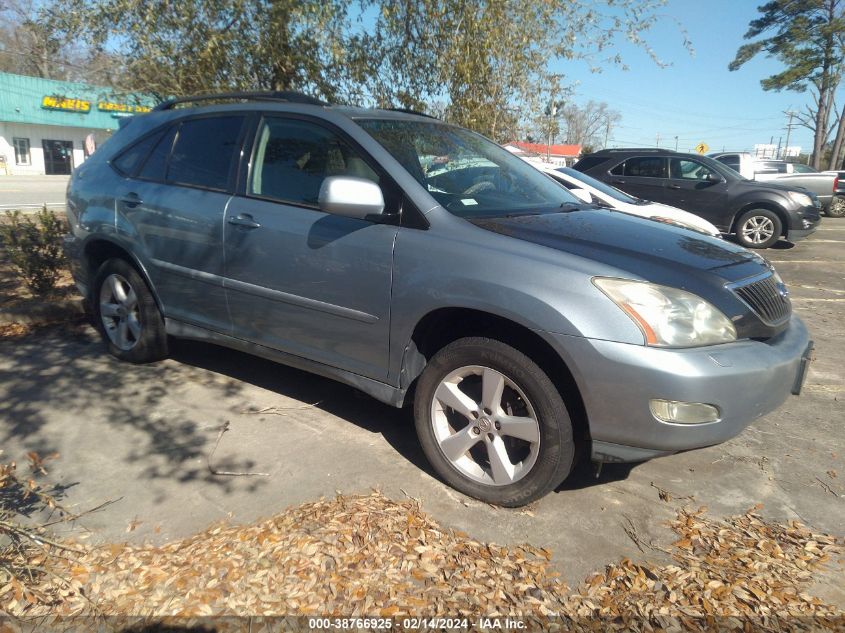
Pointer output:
x,y
653,250
658,209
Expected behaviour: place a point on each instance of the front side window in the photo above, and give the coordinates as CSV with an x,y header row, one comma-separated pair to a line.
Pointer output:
x,y
467,174
690,170
205,152
799,168
293,157
22,156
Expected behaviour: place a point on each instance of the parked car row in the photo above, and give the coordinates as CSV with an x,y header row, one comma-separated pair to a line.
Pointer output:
x,y
425,265
758,213
785,173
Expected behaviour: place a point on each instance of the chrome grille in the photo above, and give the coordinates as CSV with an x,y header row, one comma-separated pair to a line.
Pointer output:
x,y
768,301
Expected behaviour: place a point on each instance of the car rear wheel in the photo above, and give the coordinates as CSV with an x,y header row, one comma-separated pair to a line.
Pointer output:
x,y
492,423
126,314
758,228
836,208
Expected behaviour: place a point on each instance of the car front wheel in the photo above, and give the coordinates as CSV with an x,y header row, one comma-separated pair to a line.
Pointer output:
x,y
758,228
492,423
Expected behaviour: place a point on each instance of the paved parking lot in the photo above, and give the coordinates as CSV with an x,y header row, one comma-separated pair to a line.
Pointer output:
x,y
32,192
142,435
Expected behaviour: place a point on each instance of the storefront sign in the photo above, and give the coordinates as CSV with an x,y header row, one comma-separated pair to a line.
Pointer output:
x,y
121,108
52,102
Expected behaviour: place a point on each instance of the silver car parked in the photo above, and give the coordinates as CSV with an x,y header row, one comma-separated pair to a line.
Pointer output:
x,y
425,265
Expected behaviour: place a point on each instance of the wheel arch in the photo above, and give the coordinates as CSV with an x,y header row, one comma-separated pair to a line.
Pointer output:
x,y
96,251
769,206
442,326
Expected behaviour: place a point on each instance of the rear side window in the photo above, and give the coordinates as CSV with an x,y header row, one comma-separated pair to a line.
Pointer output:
x,y
642,166
205,152
588,162
292,158
155,167
731,161
128,162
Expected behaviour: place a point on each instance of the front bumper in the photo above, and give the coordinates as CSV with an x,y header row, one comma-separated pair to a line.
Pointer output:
x,y
745,380
803,224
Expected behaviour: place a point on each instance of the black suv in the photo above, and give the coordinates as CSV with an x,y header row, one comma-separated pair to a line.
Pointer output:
x,y
758,213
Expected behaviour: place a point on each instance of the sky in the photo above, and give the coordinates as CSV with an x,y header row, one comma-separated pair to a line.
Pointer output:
x,y
697,98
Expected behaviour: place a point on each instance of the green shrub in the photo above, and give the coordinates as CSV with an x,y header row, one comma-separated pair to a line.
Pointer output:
x,y
34,246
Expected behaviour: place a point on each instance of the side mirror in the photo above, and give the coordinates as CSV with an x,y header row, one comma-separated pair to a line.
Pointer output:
x,y
582,194
350,197
711,177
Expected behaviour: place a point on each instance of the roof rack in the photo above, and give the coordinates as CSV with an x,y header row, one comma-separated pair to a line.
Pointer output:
x,y
410,111
635,149
277,95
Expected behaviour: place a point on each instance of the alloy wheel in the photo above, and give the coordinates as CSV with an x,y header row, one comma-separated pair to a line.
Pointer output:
x,y
758,229
485,425
119,312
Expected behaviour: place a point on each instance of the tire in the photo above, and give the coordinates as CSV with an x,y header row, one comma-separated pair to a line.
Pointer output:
x,y
529,405
836,208
758,228
126,314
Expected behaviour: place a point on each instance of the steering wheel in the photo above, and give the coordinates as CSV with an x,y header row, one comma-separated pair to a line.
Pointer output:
x,y
478,187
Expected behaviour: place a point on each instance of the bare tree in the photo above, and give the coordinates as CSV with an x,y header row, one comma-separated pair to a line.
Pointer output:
x,y
590,124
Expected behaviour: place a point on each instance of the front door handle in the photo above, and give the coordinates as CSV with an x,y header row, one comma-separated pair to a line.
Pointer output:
x,y
674,186
245,220
618,182
131,200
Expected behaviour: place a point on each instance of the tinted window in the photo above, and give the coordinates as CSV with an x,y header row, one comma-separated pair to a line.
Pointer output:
x,y
690,169
129,161
731,161
155,167
292,158
205,152
642,166
588,162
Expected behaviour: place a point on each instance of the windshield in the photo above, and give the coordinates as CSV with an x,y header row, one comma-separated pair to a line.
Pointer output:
x,y
469,175
606,189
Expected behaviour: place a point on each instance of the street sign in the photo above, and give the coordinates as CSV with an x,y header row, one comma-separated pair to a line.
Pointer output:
x,y
702,148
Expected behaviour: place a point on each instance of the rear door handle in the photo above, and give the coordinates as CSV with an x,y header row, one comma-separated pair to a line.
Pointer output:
x,y
674,186
131,200
245,220
618,182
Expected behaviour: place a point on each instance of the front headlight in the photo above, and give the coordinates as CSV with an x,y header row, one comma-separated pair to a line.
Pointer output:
x,y
668,317
800,198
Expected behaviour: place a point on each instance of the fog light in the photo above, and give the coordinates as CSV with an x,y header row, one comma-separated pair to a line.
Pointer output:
x,y
683,412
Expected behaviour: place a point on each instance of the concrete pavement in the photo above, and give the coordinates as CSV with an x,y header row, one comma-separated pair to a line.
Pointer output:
x,y
143,435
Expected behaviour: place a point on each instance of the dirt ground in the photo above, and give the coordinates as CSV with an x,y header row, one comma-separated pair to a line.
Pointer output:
x,y
144,435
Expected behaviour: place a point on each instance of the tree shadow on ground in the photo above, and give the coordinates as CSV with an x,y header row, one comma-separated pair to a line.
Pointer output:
x,y
342,401
66,371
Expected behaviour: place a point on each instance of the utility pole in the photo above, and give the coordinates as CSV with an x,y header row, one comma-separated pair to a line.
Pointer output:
x,y
676,142
606,132
777,151
791,114
657,140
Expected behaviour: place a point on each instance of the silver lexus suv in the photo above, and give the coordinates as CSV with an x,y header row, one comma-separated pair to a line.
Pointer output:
x,y
424,265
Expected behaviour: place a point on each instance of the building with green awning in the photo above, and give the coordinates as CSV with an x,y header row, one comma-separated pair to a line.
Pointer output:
x,y
50,127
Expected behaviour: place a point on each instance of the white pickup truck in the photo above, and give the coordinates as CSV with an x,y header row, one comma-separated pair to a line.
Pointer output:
x,y
796,174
